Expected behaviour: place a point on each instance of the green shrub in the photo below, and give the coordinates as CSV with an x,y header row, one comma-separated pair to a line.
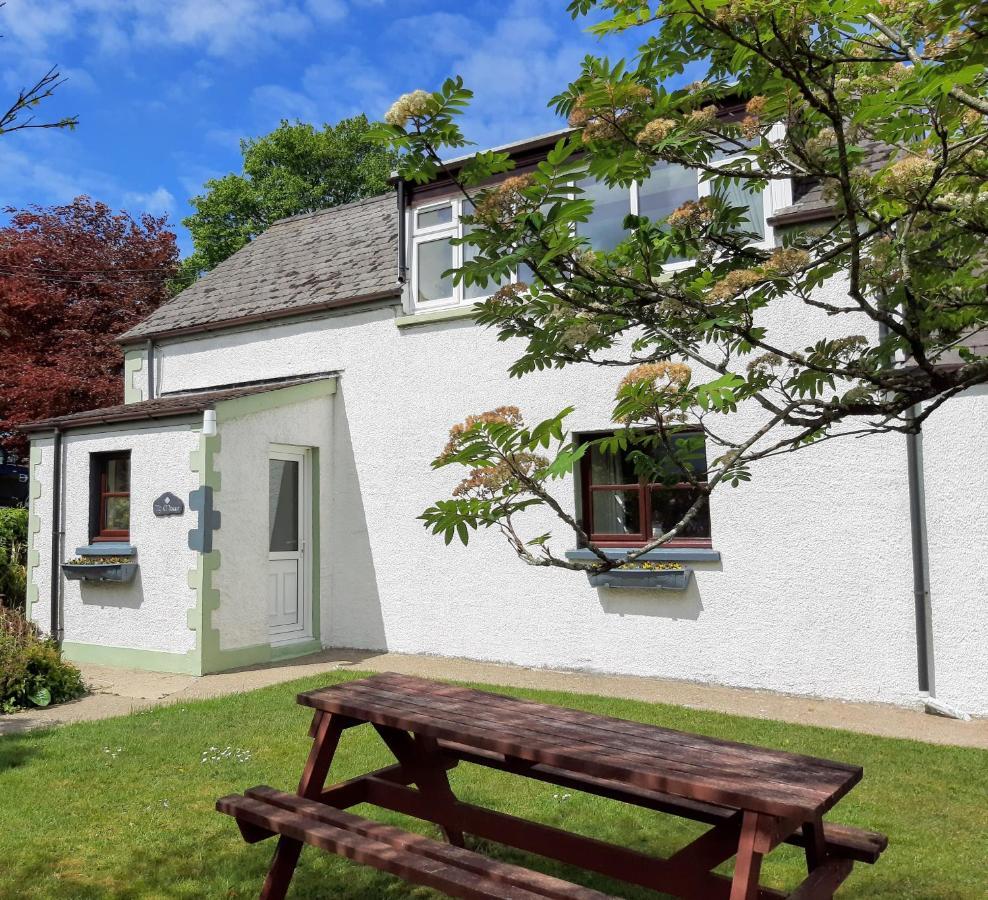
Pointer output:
x,y
13,557
32,671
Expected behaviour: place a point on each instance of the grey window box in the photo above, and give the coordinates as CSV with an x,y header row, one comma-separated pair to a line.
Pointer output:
x,y
116,572
643,579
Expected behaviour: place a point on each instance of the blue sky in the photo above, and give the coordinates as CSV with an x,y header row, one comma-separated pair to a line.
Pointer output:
x,y
164,89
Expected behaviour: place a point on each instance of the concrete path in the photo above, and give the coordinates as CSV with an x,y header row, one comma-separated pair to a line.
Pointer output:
x,y
120,691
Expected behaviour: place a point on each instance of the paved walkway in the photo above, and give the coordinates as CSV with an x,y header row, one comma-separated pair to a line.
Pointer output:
x,y
120,691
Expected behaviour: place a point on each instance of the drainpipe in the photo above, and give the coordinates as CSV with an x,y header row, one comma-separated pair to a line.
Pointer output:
x,y
150,354
56,537
920,553
402,256
921,573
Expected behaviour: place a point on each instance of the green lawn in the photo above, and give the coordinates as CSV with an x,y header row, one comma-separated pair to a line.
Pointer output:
x,y
124,807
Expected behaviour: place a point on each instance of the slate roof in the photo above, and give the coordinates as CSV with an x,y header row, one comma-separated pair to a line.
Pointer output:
x,y
343,256
169,406
333,257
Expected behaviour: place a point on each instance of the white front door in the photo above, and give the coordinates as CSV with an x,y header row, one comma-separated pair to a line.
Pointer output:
x,y
288,613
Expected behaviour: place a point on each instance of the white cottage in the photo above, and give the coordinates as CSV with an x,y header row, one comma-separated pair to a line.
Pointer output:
x,y
259,488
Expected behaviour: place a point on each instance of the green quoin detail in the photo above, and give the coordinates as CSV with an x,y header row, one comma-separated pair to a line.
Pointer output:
x,y
134,361
202,461
33,528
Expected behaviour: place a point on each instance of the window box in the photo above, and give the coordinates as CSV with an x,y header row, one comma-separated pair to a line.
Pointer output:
x,y
643,579
120,569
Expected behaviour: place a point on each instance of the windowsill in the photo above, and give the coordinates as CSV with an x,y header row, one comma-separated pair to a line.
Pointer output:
x,y
430,317
107,548
666,554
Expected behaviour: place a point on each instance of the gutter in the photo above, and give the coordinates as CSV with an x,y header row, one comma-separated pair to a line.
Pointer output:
x,y
55,625
269,316
402,254
150,354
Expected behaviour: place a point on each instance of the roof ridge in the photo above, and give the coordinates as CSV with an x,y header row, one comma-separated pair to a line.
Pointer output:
x,y
330,209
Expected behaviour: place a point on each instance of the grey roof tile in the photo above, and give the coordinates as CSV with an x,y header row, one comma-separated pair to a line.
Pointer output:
x,y
311,260
168,405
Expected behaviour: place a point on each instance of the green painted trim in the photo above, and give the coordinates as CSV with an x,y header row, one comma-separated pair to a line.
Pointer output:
x,y
131,658
262,402
431,318
238,657
315,579
133,363
33,528
300,648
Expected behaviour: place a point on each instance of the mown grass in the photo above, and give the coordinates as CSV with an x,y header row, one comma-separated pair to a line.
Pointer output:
x,y
123,808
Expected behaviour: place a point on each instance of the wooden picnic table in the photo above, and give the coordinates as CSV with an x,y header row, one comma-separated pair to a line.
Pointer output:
x,y
754,798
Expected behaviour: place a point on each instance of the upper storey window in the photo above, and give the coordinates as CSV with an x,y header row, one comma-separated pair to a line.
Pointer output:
x,y
435,225
667,188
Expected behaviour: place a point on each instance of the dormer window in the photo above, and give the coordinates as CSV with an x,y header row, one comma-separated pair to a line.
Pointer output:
x,y
434,225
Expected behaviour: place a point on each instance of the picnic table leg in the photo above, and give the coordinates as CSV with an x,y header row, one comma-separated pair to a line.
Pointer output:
x,y
816,847
423,759
282,869
748,866
325,731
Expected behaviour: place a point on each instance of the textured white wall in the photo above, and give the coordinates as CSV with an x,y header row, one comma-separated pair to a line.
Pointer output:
x,y
813,594
150,612
242,539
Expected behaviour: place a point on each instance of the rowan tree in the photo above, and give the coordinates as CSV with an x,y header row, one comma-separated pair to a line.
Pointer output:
x,y
72,278
883,103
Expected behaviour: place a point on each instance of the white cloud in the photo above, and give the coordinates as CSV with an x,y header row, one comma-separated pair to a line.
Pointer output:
x,y
159,202
275,102
513,68
347,84
231,29
326,10
40,168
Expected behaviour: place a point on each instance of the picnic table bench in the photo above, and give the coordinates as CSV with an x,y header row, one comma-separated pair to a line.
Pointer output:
x,y
755,799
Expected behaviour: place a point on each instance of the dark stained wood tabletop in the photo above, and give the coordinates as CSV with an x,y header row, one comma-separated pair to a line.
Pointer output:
x,y
645,756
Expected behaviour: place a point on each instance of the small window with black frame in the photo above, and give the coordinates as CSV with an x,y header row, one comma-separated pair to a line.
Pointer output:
x,y
633,495
111,496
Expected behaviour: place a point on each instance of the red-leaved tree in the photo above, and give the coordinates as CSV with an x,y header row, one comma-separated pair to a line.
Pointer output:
x,y
72,278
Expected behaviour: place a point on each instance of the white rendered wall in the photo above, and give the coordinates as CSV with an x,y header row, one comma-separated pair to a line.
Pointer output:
x,y
149,613
242,539
813,594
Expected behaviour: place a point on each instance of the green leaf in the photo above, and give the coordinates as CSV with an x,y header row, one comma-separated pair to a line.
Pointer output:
x,y
41,697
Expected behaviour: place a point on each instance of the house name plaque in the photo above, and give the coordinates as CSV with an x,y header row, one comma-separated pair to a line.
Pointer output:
x,y
168,505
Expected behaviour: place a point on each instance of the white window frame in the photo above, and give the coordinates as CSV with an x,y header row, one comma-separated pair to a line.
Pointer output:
x,y
777,195
418,235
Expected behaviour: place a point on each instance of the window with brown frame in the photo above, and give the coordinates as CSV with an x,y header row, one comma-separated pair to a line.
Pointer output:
x,y
112,499
624,509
